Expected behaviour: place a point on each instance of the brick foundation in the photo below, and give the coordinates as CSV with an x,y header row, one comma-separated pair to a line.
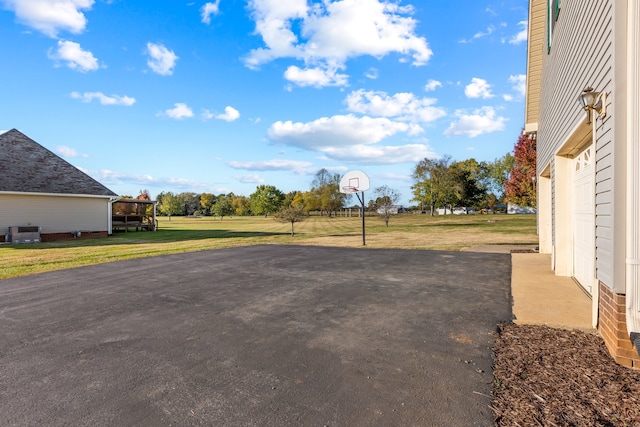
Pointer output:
x,y
50,237
612,326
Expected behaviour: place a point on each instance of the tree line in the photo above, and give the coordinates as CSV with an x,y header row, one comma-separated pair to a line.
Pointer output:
x,y
443,183
437,183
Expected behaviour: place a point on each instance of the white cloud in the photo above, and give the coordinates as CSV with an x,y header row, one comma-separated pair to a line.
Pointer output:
x,y
519,82
180,111
316,77
480,34
350,138
253,178
161,60
522,35
483,120
230,114
209,9
478,88
507,97
271,165
109,177
366,27
432,85
75,57
371,73
69,152
50,17
104,99
402,106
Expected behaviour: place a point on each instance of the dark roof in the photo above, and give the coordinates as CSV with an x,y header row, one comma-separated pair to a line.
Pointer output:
x,y
28,167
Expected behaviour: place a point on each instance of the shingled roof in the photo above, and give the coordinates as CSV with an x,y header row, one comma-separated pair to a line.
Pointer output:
x,y
28,167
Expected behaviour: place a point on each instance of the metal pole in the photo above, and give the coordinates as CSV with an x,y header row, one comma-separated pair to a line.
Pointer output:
x,y
362,203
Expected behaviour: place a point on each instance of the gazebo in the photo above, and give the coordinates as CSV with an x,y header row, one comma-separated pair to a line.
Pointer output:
x,y
133,213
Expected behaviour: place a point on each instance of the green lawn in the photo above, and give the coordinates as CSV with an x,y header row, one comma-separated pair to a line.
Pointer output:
x,y
450,232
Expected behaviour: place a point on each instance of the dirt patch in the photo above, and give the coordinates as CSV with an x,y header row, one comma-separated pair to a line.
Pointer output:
x,y
553,377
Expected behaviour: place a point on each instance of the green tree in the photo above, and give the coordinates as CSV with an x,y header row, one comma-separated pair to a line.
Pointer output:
x,y
386,200
433,183
266,200
291,215
496,174
223,206
467,177
190,203
170,205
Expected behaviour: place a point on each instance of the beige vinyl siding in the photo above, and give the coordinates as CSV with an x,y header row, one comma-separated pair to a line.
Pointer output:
x,y
579,59
536,43
55,214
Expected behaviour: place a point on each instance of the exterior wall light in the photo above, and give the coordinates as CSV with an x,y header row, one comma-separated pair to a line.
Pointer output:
x,y
591,100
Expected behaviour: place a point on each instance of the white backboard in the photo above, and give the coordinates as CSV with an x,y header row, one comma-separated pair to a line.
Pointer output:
x,y
354,181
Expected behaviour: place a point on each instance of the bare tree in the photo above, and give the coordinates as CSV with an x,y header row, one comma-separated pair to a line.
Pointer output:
x,y
386,201
290,214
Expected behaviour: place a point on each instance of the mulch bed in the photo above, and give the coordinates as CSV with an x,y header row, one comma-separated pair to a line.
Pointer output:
x,y
552,377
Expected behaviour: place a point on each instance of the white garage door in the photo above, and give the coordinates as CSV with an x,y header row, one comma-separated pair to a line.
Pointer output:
x,y
584,219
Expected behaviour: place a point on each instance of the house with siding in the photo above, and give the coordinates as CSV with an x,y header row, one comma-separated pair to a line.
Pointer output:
x,y
588,165
41,191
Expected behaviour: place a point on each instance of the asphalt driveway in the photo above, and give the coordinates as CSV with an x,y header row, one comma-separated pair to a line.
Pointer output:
x,y
263,335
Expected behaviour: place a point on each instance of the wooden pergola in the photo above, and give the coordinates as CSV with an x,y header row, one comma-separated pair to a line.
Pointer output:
x,y
133,213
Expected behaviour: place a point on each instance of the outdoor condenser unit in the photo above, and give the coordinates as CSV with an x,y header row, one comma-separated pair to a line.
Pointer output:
x,y
25,234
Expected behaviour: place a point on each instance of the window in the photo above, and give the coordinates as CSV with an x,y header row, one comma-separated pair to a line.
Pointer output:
x,y
553,11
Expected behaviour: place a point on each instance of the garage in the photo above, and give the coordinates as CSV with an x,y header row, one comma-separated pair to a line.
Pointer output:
x,y
584,219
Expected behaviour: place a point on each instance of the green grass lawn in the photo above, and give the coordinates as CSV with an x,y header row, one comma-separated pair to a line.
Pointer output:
x,y
451,232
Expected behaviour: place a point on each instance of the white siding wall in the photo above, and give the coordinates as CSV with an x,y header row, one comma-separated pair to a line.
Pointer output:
x,y
578,59
56,214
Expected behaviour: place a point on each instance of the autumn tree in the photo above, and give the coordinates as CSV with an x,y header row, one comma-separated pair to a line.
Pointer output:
x,y
207,200
266,200
241,205
325,192
386,199
520,187
290,214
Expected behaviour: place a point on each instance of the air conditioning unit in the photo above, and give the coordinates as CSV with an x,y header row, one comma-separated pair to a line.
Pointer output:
x,y
25,234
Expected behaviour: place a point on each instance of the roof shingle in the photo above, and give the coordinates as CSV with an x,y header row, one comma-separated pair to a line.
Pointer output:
x,y
28,167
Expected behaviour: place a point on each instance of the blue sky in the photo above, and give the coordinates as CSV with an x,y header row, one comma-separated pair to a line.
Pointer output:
x,y
223,96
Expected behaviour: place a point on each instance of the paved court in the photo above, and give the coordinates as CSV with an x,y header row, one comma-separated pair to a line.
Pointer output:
x,y
263,335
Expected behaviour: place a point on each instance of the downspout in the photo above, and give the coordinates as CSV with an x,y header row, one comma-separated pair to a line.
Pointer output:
x,y
112,200
632,276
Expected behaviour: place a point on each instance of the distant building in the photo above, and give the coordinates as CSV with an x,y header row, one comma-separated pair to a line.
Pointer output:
x,y
393,210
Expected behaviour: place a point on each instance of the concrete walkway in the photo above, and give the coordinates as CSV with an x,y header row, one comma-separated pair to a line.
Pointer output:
x,y
542,298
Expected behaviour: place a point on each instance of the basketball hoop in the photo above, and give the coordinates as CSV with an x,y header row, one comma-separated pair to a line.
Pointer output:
x,y
349,189
354,182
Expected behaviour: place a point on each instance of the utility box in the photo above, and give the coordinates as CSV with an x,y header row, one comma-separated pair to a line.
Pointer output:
x,y
24,234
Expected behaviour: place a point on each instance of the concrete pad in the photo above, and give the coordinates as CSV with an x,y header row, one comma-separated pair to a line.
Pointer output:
x,y
542,298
